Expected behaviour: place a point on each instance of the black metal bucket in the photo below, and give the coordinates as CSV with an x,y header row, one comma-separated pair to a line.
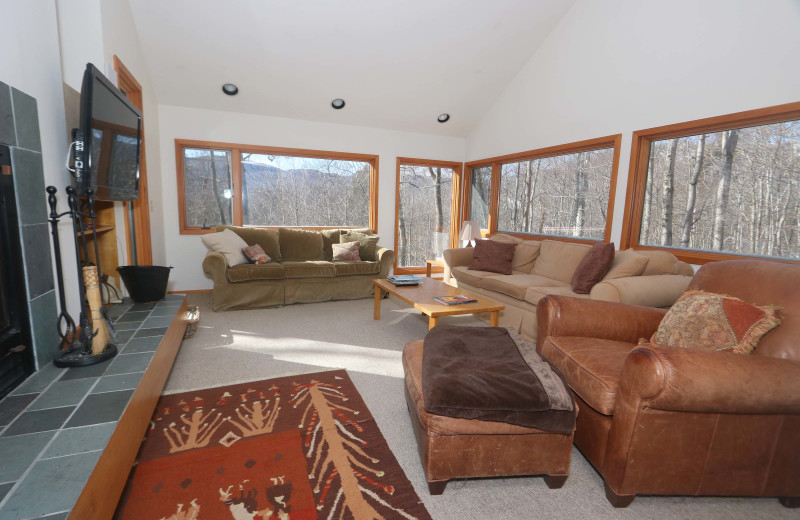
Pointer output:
x,y
145,283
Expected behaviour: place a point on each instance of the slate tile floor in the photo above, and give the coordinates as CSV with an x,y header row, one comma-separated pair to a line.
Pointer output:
x,y
54,427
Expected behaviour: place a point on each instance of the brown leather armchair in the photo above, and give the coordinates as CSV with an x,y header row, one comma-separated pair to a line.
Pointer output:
x,y
668,421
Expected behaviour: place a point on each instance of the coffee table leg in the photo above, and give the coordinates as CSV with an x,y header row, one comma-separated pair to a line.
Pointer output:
x,y
494,318
377,302
428,270
432,322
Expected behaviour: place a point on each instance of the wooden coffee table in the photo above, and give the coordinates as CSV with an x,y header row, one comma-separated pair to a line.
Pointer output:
x,y
422,297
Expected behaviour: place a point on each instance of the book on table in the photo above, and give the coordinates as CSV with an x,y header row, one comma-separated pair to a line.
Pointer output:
x,y
455,300
404,279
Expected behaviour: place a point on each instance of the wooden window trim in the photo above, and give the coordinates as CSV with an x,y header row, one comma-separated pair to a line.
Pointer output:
x,y
637,174
612,141
236,177
455,208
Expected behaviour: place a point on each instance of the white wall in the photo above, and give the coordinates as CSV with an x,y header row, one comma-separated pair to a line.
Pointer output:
x,y
624,65
30,62
186,252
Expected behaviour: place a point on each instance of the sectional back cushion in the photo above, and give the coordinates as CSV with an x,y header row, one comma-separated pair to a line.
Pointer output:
x,y
659,262
368,244
266,238
525,253
298,245
330,237
228,244
559,260
627,263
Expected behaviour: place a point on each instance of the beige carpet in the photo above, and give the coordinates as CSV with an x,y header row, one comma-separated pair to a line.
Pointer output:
x,y
238,346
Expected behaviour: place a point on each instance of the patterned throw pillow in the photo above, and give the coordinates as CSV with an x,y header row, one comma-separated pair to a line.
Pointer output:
x,y
701,320
368,244
345,252
256,254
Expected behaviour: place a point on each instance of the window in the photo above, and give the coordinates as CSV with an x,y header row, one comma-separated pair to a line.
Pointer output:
x,y
221,183
718,187
564,191
425,205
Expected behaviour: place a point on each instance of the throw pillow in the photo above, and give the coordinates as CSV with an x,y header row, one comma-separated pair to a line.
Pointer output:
x,y
227,243
368,244
346,252
627,263
701,320
256,254
493,256
593,267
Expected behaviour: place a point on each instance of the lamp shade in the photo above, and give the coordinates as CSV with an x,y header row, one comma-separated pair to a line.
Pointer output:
x,y
470,230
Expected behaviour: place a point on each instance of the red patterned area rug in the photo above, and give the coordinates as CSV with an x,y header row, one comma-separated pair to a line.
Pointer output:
x,y
290,448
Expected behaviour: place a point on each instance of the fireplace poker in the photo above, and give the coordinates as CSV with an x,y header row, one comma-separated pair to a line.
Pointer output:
x,y
64,320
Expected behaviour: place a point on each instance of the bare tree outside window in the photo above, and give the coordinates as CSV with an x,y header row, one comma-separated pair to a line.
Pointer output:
x,y
480,195
734,191
423,213
564,195
304,191
208,187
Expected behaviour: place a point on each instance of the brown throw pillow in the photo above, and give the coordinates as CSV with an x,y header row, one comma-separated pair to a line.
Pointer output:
x,y
593,267
492,256
345,252
368,244
701,320
256,254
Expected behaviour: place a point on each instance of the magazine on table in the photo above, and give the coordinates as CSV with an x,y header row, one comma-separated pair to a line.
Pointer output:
x,y
455,300
404,279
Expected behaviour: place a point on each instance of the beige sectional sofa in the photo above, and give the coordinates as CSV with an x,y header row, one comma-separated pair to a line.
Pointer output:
x,y
541,268
301,270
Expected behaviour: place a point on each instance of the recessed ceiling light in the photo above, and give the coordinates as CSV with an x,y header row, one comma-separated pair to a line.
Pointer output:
x,y
230,89
443,118
338,103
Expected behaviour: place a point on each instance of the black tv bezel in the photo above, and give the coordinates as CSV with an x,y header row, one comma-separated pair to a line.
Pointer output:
x,y
84,173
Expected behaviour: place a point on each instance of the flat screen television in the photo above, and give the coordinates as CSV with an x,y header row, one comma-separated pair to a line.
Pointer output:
x,y
109,140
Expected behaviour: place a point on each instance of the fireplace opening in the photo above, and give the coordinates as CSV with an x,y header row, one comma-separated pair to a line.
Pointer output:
x,y
16,352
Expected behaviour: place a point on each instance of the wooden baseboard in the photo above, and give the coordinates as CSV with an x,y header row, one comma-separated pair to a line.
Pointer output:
x,y
99,497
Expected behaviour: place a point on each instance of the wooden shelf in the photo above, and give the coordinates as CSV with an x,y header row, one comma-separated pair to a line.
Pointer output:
x,y
99,229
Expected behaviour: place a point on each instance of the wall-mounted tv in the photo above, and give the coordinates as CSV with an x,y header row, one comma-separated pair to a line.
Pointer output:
x,y
108,144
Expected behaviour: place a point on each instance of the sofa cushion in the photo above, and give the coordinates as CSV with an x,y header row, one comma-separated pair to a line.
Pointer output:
x,y
525,255
329,237
367,244
659,262
593,267
492,256
626,263
462,273
590,366
534,294
248,272
515,285
350,268
298,245
266,238
228,244
558,260
309,269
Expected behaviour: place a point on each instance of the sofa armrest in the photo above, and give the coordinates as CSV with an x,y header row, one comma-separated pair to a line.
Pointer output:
x,y
567,316
386,259
215,267
676,379
455,257
652,291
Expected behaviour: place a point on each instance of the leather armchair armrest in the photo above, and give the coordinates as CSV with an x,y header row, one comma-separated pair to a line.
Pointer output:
x,y
215,266
386,259
567,316
676,379
455,257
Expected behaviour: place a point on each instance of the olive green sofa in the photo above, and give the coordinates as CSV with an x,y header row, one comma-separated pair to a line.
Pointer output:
x,y
301,270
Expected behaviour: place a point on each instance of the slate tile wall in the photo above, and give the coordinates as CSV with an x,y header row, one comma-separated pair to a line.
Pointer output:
x,y
19,128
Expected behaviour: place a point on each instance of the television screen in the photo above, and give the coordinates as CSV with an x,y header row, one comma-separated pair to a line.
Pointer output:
x,y
111,126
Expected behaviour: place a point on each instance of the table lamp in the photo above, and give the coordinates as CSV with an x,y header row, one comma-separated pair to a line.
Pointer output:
x,y
469,231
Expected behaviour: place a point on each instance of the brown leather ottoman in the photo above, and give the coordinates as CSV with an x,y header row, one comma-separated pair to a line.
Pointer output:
x,y
462,448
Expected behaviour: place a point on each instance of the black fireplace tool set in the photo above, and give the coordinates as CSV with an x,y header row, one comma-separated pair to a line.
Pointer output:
x,y
93,339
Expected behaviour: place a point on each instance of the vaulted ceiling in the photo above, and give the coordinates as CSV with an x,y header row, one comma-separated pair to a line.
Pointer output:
x,y
398,64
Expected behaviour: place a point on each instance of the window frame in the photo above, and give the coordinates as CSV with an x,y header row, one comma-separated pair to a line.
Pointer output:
x,y
236,179
455,208
611,141
637,174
